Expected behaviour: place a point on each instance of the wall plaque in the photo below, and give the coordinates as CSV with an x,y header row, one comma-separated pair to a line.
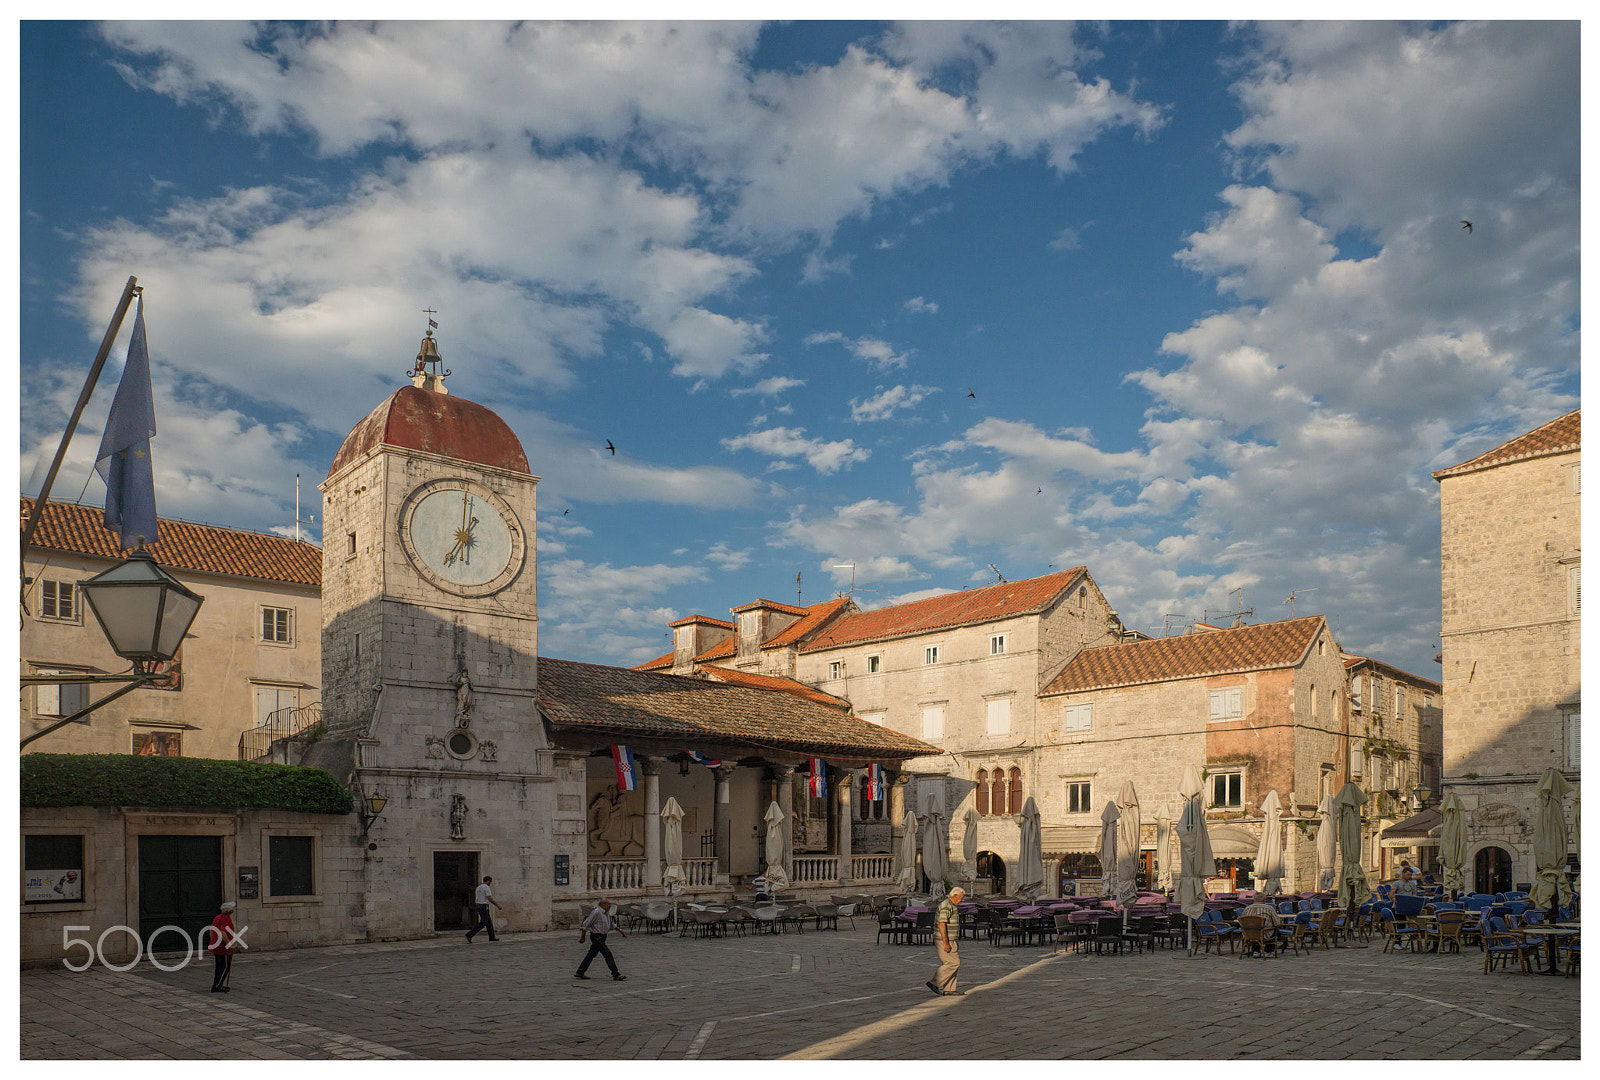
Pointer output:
x,y
249,882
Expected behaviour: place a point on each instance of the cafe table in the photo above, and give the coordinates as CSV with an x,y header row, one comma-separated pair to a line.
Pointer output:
x,y
1549,933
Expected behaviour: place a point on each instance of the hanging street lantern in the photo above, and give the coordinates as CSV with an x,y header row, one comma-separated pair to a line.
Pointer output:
x,y
143,610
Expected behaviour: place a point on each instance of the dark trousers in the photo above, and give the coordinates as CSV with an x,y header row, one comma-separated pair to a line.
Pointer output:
x,y
485,922
224,969
597,947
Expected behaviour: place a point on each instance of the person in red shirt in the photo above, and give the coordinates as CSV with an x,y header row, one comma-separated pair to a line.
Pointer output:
x,y
222,948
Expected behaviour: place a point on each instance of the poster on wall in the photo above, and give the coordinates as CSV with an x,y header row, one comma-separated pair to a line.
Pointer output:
x,y
52,885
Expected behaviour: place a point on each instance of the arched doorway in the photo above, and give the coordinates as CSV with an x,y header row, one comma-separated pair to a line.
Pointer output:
x,y
1492,870
992,867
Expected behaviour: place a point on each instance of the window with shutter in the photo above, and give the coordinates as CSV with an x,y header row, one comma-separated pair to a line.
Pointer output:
x,y
60,699
1014,792
933,722
997,716
1574,589
1574,759
1227,704
58,600
1077,717
982,793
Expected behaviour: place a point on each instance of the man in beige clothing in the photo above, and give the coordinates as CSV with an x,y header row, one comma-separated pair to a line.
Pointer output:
x,y
947,932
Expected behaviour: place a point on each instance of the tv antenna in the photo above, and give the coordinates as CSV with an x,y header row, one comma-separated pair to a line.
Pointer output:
x,y
797,588
1000,579
1290,600
298,520
1167,623
852,566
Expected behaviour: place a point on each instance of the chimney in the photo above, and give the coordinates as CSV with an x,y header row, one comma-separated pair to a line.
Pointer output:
x,y
692,636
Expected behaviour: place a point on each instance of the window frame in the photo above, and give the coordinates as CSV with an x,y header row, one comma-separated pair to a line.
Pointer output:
x,y
930,655
1574,588
1014,790
933,712
989,704
265,855
1212,716
1084,797
60,691
85,837
1573,718
874,663
50,593
835,669
1085,708
980,796
1233,777
285,642
997,644
256,690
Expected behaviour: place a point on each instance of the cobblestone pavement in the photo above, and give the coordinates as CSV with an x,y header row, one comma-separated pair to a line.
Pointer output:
x,y
812,995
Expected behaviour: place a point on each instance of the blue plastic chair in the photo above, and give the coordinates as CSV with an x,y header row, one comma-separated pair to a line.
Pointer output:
x,y
1395,933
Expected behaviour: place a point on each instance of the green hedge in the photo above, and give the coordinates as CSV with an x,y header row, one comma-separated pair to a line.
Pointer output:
x,y
127,780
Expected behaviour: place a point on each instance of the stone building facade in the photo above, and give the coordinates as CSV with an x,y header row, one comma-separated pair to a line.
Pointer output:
x,y
252,657
1511,598
1396,749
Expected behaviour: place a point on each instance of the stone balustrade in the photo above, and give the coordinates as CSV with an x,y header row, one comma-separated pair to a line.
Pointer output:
x,y
616,875
872,867
811,868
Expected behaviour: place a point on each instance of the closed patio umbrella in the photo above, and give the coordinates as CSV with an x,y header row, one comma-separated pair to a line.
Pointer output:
x,y
777,876
1550,842
1030,864
1164,848
672,876
905,855
1110,883
1327,843
1353,886
1128,846
1196,862
1453,843
935,847
969,845
1577,842
1269,854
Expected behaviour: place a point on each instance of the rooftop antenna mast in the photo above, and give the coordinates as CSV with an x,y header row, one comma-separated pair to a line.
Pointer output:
x,y
797,588
298,520
1239,610
1000,579
1292,594
852,566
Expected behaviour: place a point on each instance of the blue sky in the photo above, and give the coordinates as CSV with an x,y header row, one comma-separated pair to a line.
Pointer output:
x,y
1205,282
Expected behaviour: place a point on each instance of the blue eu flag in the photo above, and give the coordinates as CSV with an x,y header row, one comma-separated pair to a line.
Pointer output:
x,y
124,458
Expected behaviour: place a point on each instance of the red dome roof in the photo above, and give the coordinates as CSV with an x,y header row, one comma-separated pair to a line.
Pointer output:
x,y
412,418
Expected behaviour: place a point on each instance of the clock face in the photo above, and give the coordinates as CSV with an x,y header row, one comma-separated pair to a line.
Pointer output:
x,y
461,537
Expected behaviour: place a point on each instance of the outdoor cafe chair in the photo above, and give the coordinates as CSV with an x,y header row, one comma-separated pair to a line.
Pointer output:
x,y
1293,934
1064,932
1501,945
892,926
1108,934
1255,936
766,918
1170,930
972,923
827,913
846,911
1141,932
1446,930
739,919
1002,926
1210,930
797,914
656,915
1397,935
924,930
1572,954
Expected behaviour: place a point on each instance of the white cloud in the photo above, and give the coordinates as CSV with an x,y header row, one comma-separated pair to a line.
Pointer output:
x,y
1068,239
920,306
782,442
594,609
876,352
886,403
727,559
771,387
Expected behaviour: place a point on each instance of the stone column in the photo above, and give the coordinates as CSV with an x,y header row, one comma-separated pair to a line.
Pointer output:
x,y
720,822
651,767
843,789
783,776
897,804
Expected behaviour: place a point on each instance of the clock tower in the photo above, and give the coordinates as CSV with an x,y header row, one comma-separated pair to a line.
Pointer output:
x,y
429,653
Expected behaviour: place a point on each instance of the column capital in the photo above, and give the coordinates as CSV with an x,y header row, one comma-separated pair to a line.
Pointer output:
x,y
724,772
901,779
782,772
649,766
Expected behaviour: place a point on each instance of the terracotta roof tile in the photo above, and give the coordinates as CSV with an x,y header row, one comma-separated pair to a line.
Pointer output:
x,y
706,619
1215,652
1351,660
771,682
950,609
773,604
658,662
183,545
416,419
816,616
620,703
1561,435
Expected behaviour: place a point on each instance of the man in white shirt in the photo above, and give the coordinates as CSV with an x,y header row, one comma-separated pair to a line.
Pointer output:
x,y
481,902
598,924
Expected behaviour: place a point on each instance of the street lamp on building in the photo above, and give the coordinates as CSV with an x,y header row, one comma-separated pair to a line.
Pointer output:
x,y
144,612
1420,794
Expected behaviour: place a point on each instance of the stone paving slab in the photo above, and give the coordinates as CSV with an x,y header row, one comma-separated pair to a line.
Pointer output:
x,y
816,995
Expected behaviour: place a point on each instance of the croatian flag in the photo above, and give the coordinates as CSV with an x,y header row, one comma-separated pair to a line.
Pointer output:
x,y
622,757
874,783
697,756
819,778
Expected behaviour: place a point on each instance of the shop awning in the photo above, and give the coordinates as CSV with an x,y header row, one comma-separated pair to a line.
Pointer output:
x,y
1418,830
1069,839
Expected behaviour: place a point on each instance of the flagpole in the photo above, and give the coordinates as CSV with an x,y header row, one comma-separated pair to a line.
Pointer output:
x,y
128,293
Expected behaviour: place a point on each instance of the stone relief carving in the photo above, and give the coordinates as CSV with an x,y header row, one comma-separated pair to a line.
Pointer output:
x,y
463,696
616,823
458,817
435,746
487,750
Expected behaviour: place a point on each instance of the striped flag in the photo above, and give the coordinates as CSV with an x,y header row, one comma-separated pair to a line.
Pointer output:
x,y
698,757
622,757
819,778
875,783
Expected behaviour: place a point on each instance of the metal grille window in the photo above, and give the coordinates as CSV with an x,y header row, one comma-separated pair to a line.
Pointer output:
x,y
58,600
277,625
289,862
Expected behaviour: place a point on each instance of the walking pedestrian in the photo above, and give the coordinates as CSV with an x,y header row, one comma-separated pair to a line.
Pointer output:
x,y
597,926
222,948
947,927
482,901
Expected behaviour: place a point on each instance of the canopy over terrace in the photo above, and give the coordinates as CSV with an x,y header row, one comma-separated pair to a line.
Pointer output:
x,y
775,729
1418,830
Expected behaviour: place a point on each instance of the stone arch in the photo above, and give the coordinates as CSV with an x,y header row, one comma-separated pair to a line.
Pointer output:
x,y
1472,865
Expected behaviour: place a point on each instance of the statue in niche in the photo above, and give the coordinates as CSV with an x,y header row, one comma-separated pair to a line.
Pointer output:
x,y
487,750
458,817
463,696
435,746
615,827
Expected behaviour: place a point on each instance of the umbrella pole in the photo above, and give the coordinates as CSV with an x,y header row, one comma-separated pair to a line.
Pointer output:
x,y
1550,939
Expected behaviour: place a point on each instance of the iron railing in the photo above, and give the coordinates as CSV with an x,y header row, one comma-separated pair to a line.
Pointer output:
x,y
256,743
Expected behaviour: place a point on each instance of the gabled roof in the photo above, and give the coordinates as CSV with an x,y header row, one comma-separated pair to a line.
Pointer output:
x,y
775,605
619,703
707,620
770,682
184,545
987,604
1562,435
812,618
1215,652
1351,660
816,616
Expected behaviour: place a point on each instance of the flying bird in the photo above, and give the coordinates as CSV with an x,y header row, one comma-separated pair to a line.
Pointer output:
x,y
613,449
1038,491
1467,225
567,511
970,394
